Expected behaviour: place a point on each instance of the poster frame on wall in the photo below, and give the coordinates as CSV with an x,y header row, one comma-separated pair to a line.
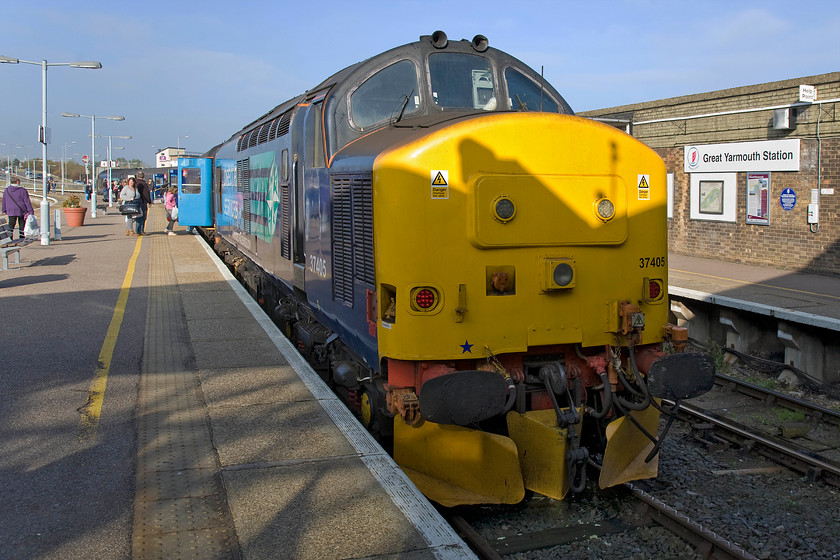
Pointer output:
x,y
758,198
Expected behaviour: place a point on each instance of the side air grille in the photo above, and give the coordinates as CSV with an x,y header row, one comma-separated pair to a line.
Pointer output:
x,y
352,226
263,137
266,132
283,125
286,209
363,228
243,185
342,230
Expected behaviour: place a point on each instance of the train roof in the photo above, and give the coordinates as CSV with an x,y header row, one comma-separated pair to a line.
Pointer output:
x,y
357,101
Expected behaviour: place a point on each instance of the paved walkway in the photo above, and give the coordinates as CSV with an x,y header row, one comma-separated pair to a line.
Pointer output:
x,y
153,411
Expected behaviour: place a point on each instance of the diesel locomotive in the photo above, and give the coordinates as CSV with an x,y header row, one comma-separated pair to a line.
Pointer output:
x,y
480,273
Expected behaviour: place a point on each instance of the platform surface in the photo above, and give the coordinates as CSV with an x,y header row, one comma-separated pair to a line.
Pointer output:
x,y
153,411
799,297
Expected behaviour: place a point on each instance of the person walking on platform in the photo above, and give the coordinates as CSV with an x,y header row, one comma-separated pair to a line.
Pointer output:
x,y
145,200
170,203
129,192
16,205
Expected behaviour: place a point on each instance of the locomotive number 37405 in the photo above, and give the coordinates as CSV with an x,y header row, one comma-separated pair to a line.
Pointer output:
x,y
645,262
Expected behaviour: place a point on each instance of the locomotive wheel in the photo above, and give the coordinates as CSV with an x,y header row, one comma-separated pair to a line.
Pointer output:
x,y
367,409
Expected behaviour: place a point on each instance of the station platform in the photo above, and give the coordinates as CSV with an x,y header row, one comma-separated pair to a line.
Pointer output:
x,y
797,297
152,410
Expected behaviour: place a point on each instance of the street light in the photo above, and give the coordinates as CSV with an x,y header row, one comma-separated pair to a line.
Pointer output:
x,y
109,136
44,133
92,153
9,162
179,143
63,159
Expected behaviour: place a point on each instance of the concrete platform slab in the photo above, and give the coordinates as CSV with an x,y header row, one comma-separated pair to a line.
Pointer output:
x,y
252,385
235,353
354,520
249,434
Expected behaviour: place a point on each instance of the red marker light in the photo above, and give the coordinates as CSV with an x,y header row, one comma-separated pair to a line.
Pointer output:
x,y
654,289
424,298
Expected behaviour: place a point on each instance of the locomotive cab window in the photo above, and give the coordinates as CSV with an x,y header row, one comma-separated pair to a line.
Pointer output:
x,y
462,81
386,95
191,180
525,95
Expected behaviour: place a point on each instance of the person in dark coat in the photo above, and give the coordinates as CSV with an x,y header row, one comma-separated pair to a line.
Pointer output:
x,y
17,206
145,200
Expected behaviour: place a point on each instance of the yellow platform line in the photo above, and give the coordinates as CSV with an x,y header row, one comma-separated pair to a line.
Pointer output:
x,y
756,284
92,409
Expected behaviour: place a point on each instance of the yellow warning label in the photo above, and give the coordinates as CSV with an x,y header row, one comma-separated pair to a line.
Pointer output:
x,y
644,187
440,184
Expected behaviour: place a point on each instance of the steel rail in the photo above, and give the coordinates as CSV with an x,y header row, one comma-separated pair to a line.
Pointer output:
x,y
803,461
774,397
708,543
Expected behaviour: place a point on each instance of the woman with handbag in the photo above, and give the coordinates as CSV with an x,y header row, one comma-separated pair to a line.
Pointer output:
x,y
17,206
171,204
127,194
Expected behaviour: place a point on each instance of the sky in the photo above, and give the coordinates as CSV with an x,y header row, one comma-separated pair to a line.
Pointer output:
x,y
191,74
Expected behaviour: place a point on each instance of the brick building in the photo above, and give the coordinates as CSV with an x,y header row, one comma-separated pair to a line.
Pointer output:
x,y
744,167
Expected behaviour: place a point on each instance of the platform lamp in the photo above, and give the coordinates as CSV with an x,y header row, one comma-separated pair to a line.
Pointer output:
x,y
9,162
92,153
63,163
44,132
109,136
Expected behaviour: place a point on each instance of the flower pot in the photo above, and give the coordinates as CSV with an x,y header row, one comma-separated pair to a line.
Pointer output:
x,y
75,216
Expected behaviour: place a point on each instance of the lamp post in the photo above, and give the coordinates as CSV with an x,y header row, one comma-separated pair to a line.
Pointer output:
x,y
179,142
9,163
92,153
109,136
44,132
63,159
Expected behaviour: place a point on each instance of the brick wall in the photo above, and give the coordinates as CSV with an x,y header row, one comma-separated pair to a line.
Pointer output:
x,y
787,242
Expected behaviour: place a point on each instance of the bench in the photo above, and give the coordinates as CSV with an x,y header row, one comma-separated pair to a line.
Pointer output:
x,y
9,246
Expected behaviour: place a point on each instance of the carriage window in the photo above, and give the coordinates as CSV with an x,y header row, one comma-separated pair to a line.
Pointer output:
x,y
383,95
191,180
525,95
462,81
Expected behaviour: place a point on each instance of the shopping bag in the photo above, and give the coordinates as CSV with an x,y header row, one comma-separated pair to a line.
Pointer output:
x,y
30,228
130,207
173,213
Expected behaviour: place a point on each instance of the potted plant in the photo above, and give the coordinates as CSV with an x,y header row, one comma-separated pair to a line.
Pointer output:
x,y
73,211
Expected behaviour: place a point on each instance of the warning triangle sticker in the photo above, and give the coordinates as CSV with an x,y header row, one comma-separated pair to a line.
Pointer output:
x,y
643,184
439,180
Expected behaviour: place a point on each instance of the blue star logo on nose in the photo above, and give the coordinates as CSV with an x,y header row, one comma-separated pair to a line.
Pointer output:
x,y
467,347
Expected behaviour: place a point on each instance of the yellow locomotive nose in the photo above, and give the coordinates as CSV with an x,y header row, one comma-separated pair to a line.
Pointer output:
x,y
510,235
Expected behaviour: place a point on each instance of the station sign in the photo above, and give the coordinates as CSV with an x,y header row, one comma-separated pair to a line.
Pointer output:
x,y
765,155
807,94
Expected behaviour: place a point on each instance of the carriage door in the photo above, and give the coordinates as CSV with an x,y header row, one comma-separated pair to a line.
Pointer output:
x,y
307,167
195,191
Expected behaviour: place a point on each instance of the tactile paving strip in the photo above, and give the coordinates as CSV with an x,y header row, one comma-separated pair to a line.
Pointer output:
x,y
180,507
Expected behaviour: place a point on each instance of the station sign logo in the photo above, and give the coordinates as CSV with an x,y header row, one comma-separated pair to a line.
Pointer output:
x,y
692,157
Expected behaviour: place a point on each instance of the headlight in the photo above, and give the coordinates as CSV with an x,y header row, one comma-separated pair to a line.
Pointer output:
x,y
558,274
605,209
563,274
503,209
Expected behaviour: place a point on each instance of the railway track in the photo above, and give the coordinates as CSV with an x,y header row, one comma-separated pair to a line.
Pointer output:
x,y
705,543
709,430
786,451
